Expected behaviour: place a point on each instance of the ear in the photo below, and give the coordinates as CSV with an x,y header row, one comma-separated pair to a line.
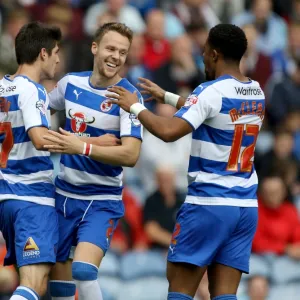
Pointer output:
x,y
215,55
94,48
43,54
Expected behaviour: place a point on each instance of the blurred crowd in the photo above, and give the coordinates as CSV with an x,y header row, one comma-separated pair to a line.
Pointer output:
x,y
167,48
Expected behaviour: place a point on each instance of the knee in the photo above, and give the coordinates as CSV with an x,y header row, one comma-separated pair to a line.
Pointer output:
x,y
258,288
82,271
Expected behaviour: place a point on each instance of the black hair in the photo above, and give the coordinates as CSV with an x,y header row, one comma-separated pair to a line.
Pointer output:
x,y
230,40
32,38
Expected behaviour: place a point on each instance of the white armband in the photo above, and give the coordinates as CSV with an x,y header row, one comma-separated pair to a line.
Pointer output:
x,y
171,98
136,108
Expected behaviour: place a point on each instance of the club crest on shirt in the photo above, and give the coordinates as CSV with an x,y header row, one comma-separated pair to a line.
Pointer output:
x,y
191,100
40,105
106,106
79,121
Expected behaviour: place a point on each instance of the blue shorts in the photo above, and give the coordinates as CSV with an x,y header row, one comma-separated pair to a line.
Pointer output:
x,y
30,231
207,234
85,221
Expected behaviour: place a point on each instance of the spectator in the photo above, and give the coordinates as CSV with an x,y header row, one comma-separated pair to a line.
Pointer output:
x,y
282,152
123,12
181,74
194,12
285,98
255,64
157,47
155,153
15,20
278,233
129,234
226,9
161,208
272,29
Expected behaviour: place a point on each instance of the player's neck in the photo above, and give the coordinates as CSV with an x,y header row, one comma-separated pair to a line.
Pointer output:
x,y
99,81
29,71
232,70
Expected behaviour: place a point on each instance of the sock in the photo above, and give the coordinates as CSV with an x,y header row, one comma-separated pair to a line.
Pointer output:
x,y
178,296
24,293
62,290
85,276
225,297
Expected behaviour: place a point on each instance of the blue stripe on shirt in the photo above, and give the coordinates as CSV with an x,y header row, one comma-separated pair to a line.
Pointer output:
x,y
28,165
40,189
85,164
219,137
198,164
88,189
198,189
230,103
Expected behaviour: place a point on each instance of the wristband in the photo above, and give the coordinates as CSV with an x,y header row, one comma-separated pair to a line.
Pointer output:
x,y
136,108
171,98
87,149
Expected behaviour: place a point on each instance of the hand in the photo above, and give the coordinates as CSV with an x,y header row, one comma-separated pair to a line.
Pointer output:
x,y
293,251
63,143
150,88
122,97
106,140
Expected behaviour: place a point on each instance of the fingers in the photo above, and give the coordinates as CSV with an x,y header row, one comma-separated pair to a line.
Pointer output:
x,y
113,101
149,99
112,96
117,89
145,80
64,132
52,138
144,87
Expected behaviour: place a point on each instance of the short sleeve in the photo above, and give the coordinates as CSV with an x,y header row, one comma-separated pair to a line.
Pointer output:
x,y
130,125
201,106
57,95
33,103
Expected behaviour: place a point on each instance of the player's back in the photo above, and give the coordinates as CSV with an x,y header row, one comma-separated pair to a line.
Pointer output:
x,y
25,173
221,169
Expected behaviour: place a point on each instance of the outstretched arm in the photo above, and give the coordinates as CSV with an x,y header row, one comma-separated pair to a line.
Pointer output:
x,y
167,129
157,93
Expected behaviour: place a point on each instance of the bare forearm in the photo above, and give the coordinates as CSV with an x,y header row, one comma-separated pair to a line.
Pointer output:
x,y
158,235
115,155
180,102
158,126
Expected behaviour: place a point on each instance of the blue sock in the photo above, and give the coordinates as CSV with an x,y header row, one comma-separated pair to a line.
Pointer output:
x,y
60,288
178,296
225,297
26,293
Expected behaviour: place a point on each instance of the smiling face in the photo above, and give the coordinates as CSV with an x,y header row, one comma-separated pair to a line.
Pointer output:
x,y
110,54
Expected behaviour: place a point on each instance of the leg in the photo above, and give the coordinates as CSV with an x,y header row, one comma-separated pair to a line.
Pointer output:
x,y
183,279
223,280
35,230
199,232
94,235
62,286
258,288
233,257
203,292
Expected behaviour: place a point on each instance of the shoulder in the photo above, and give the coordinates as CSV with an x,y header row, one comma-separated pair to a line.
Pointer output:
x,y
79,74
26,86
128,86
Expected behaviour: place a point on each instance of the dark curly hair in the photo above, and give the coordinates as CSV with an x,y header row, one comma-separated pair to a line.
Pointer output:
x,y
228,39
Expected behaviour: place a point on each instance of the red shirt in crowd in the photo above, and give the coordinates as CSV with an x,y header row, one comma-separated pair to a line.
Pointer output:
x,y
277,228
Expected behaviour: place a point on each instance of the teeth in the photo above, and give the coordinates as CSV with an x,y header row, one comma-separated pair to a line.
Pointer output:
x,y
111,65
